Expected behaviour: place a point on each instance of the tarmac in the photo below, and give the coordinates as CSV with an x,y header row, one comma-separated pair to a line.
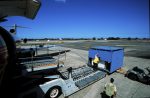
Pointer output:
x,y
126,88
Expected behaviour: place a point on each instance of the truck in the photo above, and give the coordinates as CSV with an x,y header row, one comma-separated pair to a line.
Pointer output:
x,y
71,81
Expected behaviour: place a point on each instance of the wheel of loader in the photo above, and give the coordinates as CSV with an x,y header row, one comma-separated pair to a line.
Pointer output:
x,y
53,92
132,76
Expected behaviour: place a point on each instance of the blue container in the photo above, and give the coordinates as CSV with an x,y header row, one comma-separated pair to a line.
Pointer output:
x,y
112,56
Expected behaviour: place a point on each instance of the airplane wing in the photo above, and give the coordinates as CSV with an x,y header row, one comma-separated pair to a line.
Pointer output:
x,y
26,8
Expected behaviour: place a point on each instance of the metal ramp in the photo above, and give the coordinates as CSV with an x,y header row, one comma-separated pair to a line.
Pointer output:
x,y
82,72
87,80
85,75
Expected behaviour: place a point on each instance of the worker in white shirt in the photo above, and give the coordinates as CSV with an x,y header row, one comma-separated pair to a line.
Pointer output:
x,y
110,89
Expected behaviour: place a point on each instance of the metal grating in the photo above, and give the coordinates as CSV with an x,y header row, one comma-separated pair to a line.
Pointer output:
x,y
90,79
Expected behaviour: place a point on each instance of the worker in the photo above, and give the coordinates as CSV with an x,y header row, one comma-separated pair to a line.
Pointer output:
x,y
110,89
95,61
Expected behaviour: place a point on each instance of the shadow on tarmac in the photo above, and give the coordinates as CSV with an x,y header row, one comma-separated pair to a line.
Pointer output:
x,y
103,95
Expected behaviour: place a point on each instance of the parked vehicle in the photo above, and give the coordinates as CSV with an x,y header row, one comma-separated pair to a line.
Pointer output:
x,y
71,81
139,74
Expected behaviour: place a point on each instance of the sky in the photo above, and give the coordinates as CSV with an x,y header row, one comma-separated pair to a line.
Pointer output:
x,y
86,19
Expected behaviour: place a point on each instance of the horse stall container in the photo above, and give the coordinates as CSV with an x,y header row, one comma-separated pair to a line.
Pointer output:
x,y
111,56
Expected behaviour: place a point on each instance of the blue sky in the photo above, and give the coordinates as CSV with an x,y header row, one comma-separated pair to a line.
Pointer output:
x,y
86,19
